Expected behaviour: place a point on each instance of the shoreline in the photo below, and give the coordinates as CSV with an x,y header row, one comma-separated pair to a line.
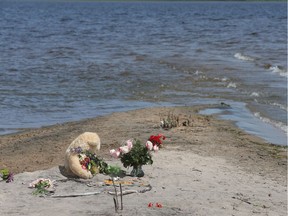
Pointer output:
x,y
207,166
246,119
240,113
50,142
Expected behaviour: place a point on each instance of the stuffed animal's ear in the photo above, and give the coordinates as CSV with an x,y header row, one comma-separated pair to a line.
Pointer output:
x,y
94,145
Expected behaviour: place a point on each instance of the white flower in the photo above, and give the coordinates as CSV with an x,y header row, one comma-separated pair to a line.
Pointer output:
x,y
155,148
124,149
114,153
149,145
82,156
37,181
116,178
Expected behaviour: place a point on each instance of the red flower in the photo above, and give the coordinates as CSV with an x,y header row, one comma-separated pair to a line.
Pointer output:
x,y
87,160
156,140
159,205
150,205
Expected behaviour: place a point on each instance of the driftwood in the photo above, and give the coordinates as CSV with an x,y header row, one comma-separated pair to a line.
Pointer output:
x,y
123,192
115,192
83,181
76,195
126,192
242,199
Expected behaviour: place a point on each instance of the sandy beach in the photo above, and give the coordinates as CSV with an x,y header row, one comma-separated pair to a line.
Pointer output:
x,y
206,167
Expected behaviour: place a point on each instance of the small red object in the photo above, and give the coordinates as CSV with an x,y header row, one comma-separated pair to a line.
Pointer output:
x,y
156,140
159,205
150,205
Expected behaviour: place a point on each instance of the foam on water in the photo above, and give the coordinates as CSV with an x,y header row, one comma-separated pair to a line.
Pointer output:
x,y
275,133
243,57
254,94
279,70
281,106
269,121
232,85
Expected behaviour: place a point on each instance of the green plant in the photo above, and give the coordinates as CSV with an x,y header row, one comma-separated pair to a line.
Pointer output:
x,y
102,166
42,186
6,175
169,121
138,155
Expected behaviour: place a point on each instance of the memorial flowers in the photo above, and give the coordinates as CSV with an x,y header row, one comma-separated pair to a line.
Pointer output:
x,y
134,154
42,186
89,161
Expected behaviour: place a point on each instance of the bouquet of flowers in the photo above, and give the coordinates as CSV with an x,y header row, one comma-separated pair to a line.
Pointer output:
x,y
42,186
89,161
134,154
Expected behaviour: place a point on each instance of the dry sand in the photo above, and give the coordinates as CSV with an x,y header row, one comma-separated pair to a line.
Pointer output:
x,y
207,168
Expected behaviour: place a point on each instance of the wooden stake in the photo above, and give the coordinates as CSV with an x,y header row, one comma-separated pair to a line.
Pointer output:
x,y
116,195
121,196
115,204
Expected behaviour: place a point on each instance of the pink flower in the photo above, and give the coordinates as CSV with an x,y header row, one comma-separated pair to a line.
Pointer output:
x,y
114,153
149,145
124,149
129,144
155,148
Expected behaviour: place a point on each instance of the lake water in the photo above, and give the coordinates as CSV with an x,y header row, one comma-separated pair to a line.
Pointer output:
x,y
65,61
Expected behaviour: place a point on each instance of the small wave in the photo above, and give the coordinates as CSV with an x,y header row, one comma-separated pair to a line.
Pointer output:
x,y
281,106
279,125
243,57
254,94
279,70
232,85
198,72
224,79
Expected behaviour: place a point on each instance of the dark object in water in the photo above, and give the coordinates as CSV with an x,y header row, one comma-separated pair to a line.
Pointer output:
x,y
224,104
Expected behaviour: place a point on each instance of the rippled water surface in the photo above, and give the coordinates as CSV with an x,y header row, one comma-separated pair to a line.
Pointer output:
x,y
63,61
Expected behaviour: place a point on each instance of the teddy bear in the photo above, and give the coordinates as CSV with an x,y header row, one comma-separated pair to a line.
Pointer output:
x,y
87,141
